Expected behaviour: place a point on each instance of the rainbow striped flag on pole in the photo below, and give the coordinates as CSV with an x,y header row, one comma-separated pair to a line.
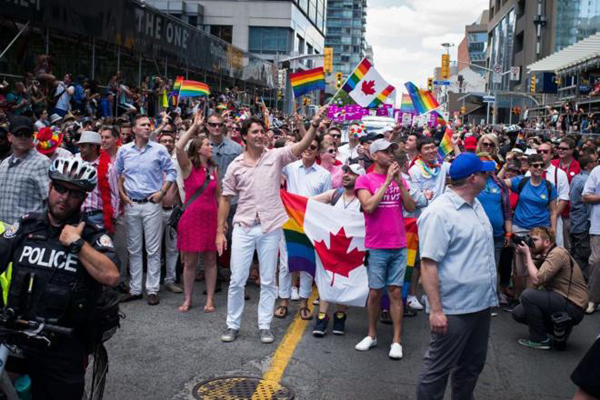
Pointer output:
x,y
423,100
366,87
407,105
446,144
307,81
193,89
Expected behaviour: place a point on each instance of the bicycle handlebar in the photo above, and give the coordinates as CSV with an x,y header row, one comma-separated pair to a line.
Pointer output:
x,y
8,321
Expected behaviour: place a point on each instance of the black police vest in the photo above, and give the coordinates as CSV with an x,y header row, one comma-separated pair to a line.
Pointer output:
x,y
48,282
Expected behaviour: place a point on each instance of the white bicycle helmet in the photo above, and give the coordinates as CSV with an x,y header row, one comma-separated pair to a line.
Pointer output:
x,y
74,171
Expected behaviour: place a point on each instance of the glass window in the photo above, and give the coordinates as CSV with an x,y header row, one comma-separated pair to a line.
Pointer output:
x,y
267,40
224,32
578,20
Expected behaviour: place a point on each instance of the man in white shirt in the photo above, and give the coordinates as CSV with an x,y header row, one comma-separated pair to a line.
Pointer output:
x,y
591,195
305,178
350,149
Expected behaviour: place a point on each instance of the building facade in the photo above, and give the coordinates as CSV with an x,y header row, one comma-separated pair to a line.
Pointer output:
x,y
346,26
522,32
273,29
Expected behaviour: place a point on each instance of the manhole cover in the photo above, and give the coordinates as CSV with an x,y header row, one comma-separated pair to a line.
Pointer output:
x,y
241,388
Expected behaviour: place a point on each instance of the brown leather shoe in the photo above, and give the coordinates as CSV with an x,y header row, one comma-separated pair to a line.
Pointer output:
x,y
130,297
153,299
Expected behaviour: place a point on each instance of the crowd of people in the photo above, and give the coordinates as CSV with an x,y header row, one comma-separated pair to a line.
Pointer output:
x,y
195,186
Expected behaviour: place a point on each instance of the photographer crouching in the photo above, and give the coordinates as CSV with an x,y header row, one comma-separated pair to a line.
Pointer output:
x,y
552,312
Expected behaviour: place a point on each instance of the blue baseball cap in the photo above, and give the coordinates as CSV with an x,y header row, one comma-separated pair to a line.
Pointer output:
x,y
467,164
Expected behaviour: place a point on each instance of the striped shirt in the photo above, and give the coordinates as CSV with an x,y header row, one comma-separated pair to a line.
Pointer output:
x,y
24,184
93,202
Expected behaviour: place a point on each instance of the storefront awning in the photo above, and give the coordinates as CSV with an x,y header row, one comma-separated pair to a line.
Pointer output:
x,y
579,53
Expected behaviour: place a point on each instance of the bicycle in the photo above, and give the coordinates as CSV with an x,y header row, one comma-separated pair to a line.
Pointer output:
x,y
12,326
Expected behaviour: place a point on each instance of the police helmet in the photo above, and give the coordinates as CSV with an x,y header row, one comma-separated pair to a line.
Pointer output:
x,y
74,171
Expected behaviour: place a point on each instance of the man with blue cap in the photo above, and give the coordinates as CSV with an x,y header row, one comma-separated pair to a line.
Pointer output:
x,y
458,272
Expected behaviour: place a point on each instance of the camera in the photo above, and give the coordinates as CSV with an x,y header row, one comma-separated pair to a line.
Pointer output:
x,y
561,328
525,239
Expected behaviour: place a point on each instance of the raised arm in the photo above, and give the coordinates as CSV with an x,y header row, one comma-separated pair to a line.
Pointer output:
x,y
307,139
182,159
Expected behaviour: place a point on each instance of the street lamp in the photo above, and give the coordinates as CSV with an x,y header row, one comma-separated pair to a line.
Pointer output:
x,y
447,46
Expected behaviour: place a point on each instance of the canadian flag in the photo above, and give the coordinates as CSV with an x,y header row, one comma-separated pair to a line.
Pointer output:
x,y
366,86
330,244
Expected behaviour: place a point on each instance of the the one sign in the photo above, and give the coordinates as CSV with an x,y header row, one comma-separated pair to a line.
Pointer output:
x,y
515,73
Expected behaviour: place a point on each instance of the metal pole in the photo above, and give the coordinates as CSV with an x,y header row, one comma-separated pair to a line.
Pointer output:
x,y
15,39
93,58
118,57
140,69
511,109
47,40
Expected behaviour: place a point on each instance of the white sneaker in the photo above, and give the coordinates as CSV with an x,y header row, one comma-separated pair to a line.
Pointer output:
x,y
591,308
295,295
396,351
413,303
366,344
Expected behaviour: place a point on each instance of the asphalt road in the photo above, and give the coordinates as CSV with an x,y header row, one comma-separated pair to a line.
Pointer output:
x,y
162,354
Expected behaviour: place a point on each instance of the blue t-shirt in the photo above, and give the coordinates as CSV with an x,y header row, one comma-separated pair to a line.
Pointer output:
x,y
533,208
491,200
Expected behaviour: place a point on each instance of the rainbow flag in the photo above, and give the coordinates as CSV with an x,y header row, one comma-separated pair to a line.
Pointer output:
x,y
193,89
423,100
301,252
438,119
412,246
366,87
446,146
308,81
175,91
407,105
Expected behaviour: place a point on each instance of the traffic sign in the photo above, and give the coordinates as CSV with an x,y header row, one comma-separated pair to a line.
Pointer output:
x,y
489,99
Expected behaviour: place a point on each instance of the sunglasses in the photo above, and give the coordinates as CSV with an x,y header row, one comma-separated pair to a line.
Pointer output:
x,y
23,134
336,136
544,151
331,151
74,193
215,125
488,144
168,132
312,147
537,165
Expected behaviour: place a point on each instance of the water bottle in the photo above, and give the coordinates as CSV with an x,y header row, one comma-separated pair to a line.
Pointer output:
x,y
425,303
23,387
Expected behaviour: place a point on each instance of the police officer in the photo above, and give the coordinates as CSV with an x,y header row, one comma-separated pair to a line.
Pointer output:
x,y
64,259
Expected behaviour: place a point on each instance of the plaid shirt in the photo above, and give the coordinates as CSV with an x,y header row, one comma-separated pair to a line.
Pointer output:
x,y
24,185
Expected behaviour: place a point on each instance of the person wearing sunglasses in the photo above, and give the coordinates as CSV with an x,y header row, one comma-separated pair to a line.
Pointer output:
x,y
305,178
350,149
536,207
23,175
489,143
559,179
60,260
328,160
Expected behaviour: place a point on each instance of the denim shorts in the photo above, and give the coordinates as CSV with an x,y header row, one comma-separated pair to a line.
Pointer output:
x,y
386,267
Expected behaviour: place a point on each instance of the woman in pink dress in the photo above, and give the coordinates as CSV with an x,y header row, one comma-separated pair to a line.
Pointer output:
x,y
197,229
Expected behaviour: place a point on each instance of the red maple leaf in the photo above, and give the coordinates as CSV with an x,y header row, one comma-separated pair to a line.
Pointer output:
x,y
336,258
367,87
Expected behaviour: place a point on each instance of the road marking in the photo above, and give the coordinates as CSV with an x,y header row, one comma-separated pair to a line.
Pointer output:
x,y
284,351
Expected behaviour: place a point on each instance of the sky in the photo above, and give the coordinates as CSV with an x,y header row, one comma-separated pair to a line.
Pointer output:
x,y
406,35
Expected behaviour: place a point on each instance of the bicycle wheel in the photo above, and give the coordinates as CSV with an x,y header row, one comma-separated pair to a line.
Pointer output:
x,y
94,387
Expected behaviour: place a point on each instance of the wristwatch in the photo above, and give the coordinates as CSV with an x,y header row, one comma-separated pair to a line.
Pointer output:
x,y
75,247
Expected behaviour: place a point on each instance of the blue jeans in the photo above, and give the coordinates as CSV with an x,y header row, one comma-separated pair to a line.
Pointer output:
x,y
386,267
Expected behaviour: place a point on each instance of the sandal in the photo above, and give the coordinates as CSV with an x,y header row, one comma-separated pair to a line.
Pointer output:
x,y
184,308
208,309
305,313
282,314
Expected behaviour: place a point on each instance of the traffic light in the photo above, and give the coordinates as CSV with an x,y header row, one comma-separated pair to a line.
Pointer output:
x,y
445,66
279,94
430,84
463,110
532,84
328,60
339,80
306,101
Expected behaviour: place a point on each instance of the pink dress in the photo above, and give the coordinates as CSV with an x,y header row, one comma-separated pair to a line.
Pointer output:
x,y
197,229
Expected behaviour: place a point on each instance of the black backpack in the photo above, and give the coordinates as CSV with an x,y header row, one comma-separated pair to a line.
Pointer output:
x,y
105,318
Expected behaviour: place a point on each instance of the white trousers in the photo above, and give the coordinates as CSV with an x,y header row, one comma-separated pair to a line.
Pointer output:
x,y
170,236
243,243
144,220
285,277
